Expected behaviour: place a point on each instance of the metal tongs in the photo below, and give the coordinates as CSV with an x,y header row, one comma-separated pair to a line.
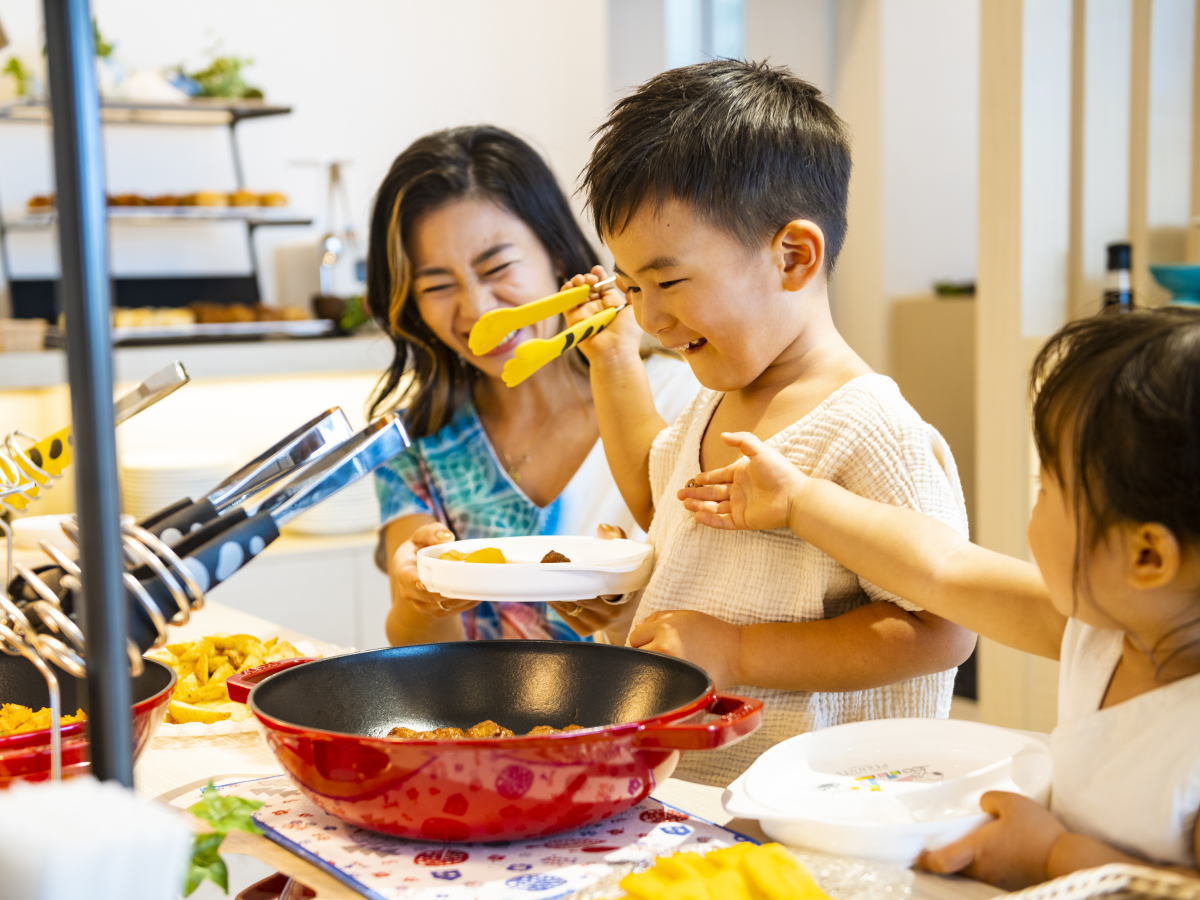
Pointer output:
x,y
308,442
214,552
529,356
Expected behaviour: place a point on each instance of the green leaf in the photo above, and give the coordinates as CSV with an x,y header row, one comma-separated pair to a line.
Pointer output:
x,y
206,864
225,813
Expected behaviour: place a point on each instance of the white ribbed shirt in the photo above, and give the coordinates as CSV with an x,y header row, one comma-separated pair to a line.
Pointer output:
x,y
864,436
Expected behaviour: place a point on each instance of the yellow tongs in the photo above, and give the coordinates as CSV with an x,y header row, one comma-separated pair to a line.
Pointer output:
x,y
529,356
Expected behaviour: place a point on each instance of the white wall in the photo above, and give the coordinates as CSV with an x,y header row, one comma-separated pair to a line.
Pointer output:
x,y
366,77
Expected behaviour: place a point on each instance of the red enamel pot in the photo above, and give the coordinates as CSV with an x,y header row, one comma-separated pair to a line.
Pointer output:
x,y
26,756
328,720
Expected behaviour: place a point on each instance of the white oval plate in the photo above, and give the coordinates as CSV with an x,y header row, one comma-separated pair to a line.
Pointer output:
x,y
889,788
597,567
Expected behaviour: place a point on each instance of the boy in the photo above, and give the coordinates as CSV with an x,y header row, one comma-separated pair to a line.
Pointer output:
x,y
720,189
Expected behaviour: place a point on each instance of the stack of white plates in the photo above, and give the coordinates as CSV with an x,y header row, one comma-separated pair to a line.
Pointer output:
x,y
350,511
150,483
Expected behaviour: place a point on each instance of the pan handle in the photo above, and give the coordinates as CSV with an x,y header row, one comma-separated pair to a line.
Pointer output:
x,y
739,716
240,684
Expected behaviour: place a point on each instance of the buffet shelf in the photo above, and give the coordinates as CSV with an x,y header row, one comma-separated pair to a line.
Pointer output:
x,y
316,356
129,112
254,216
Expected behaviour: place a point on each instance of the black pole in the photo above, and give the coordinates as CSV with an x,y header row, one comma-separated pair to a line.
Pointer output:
x,y
84,295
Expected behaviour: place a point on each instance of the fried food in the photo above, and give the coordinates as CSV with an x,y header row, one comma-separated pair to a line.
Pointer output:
x,y
484,729
205,665
17,719
555,557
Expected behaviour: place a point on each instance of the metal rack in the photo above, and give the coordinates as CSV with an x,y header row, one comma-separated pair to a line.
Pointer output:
x,y
195,113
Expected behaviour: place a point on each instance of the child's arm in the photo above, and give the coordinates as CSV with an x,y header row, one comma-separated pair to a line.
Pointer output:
x,y
625,410
901,550
873,644
1026,844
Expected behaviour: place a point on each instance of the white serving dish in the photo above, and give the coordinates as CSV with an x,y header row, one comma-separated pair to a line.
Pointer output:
x,y
888,788
597,567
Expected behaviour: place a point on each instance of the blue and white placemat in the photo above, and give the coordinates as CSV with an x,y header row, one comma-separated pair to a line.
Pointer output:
x,y
385,868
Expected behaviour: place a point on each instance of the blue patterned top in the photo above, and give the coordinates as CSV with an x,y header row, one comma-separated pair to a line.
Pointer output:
x,y
481,501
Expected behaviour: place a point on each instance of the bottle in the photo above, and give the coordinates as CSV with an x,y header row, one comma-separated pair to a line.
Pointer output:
x,y
1118,288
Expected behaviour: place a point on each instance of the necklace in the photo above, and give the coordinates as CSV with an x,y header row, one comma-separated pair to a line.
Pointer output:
x,y
513,462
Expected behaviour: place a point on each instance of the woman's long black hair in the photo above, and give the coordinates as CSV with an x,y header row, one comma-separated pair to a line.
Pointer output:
x,y
472,161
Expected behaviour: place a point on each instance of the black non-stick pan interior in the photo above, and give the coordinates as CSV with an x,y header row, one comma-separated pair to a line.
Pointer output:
x,y
518,684
21,682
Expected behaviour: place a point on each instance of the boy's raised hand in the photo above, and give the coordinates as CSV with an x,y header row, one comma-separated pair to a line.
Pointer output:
x,y
622,337
756,492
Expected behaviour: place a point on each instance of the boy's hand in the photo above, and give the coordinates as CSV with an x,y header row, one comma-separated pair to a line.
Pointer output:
x,y
1010,852
622,337
756,492
705,640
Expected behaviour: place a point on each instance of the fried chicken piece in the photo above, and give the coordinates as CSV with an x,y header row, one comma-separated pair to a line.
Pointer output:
x,y
488,729
555,557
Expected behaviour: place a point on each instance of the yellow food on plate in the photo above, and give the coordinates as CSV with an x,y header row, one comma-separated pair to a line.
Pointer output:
x,y
205,665
482,555
744,871
17,719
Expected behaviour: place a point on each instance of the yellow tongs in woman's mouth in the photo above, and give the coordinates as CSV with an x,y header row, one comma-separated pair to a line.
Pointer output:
x,y
529,356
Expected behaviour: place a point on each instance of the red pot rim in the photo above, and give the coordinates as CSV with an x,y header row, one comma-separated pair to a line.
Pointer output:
x,y
41,736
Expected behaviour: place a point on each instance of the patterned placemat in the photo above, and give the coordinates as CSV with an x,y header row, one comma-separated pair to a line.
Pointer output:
x,y
384,867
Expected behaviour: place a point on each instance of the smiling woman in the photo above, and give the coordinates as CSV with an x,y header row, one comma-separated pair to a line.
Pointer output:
x,y
466,221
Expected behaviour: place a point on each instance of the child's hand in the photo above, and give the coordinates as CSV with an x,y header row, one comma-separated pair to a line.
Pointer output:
x,y
1010,852
755,492
705,640
622,337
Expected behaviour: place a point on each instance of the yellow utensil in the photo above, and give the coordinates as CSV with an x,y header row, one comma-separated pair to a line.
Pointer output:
x,y
42,462
530,356
493,327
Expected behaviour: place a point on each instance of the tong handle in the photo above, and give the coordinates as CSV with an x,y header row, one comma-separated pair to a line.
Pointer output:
x,y
532,355
180,518
494,326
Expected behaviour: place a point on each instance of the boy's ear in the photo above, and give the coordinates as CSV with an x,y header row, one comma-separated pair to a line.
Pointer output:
x,y
799,248
1153,556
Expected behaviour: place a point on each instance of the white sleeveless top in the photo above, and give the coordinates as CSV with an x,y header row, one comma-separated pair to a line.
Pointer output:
x,y
864,436
1128,775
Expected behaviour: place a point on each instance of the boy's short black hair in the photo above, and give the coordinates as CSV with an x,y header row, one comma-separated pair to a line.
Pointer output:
x,y
750,146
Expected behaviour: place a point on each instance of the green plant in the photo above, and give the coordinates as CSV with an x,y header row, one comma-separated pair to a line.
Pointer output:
x,y
223,78
20,74
103,48
224,814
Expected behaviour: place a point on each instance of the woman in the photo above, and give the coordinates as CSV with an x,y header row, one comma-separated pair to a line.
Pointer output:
x,y
466,221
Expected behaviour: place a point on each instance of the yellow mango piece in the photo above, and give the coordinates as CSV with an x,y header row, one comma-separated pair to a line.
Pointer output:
x,y
486,555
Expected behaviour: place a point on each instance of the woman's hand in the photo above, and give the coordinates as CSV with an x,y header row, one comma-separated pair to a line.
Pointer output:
x,y
756,492
407,587
711,643
1010,852
598,613
622,337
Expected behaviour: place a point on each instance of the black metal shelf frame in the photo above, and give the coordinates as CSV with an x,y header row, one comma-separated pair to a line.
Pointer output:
x,y
194,113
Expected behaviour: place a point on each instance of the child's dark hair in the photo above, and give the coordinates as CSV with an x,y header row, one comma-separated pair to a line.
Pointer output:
x,y
749,146
471,161
1117,420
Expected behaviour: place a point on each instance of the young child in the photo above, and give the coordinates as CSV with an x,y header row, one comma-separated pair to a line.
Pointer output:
x,y
1115,595
720,189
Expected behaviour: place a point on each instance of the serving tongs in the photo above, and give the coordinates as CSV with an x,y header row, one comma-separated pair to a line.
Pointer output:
x,y
42,462
493,327
307,443
214,552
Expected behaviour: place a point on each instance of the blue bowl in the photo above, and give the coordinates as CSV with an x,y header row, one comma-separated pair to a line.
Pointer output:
x,y
1183,281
